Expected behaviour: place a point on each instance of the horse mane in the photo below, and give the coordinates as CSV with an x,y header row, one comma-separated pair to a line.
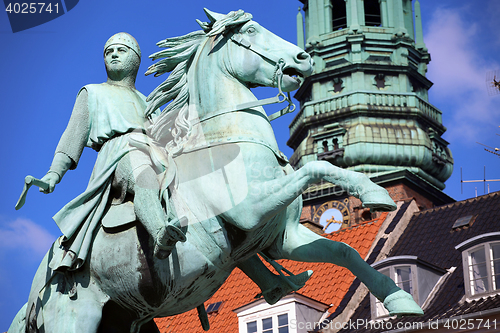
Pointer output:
x,y
172,124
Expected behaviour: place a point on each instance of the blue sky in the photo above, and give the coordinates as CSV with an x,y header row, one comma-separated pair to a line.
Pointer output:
x,y
43,68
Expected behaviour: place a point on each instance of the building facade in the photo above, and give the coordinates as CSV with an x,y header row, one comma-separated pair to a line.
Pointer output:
x,y
366,106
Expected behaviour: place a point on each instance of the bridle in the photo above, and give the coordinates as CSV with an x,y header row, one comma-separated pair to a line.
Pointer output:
x,y
278,77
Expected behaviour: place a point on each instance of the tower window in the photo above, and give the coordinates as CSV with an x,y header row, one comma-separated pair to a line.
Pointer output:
x,y
372,13
380,81
339,16
338,85
325,146
335,142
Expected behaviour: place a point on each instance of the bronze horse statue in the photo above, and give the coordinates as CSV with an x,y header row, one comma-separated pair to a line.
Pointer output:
x,y
237,191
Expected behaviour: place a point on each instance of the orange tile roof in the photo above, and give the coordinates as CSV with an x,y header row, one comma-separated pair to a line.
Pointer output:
x,y
328,284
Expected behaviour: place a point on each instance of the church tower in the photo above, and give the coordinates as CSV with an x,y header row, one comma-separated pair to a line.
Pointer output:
x,y
366,106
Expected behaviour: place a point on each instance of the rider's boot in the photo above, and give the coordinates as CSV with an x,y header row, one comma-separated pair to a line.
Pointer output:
x,y
150,213
285,285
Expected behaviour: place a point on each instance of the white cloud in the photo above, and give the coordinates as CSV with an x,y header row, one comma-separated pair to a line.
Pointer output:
x,y
458,70
25,235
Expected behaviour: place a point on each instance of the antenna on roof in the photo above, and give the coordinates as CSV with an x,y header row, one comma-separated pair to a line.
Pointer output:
x,y
493,82
484,180
495,151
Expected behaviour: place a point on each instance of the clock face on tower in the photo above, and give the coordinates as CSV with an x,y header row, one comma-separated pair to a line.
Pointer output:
x,y
332,215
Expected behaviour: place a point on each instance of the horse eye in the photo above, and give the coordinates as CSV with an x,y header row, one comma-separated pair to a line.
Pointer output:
x,y
251,30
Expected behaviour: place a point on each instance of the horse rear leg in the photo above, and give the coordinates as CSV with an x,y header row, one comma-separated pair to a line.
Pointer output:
x,y
273,287
301,244
119,320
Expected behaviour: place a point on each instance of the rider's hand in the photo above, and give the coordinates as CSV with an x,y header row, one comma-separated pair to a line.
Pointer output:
x,y
52,179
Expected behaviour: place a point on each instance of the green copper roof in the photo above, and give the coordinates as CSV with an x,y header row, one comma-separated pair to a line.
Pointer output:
x,y
366,106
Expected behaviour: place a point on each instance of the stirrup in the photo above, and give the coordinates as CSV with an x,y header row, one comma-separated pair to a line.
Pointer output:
x,y
174,231
168,237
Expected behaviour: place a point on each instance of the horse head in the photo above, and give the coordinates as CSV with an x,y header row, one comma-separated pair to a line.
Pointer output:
x,y
230,55
253,53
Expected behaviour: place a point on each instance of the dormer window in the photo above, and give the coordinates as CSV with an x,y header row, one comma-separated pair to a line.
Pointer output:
x,y
411,274
289,315
403,277
273,324
481,263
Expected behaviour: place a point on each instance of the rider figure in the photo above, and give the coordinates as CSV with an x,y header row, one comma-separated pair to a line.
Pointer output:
x,y
103,118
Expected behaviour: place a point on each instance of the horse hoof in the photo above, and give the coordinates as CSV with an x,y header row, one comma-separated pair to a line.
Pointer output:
x,y
401,304
378,201
287,284
298,281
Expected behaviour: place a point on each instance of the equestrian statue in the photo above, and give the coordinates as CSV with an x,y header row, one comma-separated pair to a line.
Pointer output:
x,y
178,198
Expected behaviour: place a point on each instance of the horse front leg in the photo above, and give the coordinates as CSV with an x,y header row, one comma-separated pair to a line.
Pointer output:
x,y
266,198
354,183
272,196
301,244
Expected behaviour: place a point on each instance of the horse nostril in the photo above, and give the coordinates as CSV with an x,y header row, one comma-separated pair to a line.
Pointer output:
x,y
303,56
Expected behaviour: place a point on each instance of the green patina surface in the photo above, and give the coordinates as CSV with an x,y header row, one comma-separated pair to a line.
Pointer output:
x,y
370,66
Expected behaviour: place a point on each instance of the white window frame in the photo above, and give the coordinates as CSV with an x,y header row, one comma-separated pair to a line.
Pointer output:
x,y
493,287
275,323
293,305
486,241
377,305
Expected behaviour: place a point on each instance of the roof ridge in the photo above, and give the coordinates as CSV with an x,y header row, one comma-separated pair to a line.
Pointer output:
x,y
459,203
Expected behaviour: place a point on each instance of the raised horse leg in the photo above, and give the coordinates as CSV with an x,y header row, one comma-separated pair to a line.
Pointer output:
x,y
269,197
300,244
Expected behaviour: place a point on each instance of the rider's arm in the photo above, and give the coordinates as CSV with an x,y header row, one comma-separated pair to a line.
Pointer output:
x,y
71,144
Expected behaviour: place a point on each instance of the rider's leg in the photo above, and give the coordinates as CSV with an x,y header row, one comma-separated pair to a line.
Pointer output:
x,y
143,184
150,212
301,244
273,286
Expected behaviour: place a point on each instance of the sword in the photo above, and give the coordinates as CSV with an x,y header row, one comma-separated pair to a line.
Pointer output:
x,y
28,181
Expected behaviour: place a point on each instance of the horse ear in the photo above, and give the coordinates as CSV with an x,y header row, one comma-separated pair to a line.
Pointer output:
x,y
213,16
